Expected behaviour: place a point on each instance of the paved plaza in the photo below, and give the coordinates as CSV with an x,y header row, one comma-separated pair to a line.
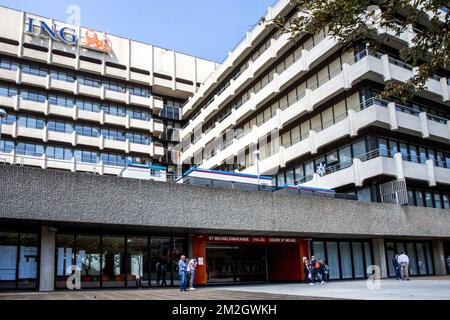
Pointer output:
x,y
433,288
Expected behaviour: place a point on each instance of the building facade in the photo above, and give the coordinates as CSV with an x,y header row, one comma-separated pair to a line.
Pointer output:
x,y
303,112
82,100
309,110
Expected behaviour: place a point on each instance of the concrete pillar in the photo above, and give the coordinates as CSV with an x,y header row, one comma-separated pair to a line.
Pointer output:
x,y
47,261
439,257
379,255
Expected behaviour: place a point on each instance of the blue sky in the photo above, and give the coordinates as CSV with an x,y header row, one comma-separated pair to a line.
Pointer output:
x,y
204,28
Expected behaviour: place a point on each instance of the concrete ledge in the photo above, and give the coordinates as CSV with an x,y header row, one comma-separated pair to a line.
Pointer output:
x,y
57,196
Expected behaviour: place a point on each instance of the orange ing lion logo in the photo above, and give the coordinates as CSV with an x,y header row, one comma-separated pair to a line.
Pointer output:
x,y
94,42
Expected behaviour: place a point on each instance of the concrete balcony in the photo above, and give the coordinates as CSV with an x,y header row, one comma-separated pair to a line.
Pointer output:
x,y
397,167
34,55
90,91
63,61
157,105
10,75
391,117
39,107
116,96
61,111
89,141
60,85
46,162
140,124
141,148
158,127
36,81
158,150
9,102
141,101
114,144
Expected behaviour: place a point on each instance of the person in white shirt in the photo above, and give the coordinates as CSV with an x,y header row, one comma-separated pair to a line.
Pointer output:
x,y
192,264
403,260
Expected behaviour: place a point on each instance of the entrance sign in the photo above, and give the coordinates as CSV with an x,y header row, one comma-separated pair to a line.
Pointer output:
x,y
245,239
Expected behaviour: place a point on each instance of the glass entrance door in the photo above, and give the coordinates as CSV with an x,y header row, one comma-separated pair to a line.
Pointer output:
x,y
233,263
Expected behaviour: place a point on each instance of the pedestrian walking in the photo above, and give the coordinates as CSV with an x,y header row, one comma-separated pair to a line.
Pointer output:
x,y
403,260
397,267
182,268
325,271
306,270
192,264
314,269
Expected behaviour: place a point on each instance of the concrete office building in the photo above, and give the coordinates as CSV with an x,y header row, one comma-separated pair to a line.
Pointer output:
x,y
80,101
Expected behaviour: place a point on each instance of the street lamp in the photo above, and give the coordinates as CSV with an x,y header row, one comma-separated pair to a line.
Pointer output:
x,y
256,153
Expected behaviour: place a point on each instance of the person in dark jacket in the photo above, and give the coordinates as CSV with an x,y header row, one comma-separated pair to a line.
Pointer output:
x,y
396,266
313,269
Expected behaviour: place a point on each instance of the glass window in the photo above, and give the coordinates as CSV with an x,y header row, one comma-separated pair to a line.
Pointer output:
x,y
411,201
429,258
445,201
359,148
113,262
419,199
290,177
428,200
358,260
437,200
404,151
6,146
390,254
421,259
333,260
318,248
160,261
422,155
346,261
86,156
28,260
364,195
88,259
411,252
8,259
367,256
65,246
178,249
345,156
309,169
137,262
413,154
59,153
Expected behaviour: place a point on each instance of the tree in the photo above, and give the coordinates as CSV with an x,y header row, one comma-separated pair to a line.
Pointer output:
x,y
356,21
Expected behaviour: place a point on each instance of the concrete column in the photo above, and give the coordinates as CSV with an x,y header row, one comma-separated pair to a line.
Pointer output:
x,y
47,261
439,257
379,255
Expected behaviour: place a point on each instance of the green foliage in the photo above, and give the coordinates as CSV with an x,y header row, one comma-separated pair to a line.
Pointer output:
x,y
349,22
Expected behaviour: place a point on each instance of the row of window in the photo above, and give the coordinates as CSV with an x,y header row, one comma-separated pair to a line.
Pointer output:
x,y
429,199
41,70
81,129
413,152
330,162
281,66
368,93
70,102
64,153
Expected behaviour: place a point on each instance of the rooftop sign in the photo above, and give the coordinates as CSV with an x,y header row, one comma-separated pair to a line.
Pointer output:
x,y
89,40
